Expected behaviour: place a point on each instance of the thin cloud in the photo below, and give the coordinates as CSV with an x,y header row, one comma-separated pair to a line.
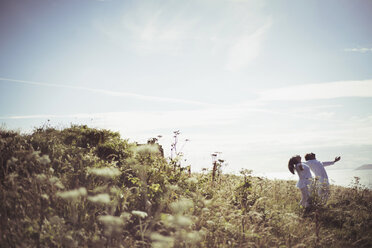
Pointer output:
x,y
158,30
246,48
186,28
111,93
359,50
329,90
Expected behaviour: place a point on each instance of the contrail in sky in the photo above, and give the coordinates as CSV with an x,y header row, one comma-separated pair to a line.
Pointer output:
x,y
110,92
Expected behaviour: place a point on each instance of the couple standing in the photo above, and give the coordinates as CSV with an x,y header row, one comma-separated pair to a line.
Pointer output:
x,y
305,181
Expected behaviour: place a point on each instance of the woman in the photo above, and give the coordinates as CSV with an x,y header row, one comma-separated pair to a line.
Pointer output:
x,y
305,180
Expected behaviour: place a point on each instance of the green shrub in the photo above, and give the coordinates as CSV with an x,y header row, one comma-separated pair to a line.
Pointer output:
x,y
84,187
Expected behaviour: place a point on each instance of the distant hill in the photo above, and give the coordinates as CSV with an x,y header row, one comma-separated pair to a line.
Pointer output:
x,y
365,167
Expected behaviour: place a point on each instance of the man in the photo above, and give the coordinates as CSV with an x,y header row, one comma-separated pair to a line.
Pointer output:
x,y
318,169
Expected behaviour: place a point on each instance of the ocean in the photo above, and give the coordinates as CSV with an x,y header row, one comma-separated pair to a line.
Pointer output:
x,y
342,177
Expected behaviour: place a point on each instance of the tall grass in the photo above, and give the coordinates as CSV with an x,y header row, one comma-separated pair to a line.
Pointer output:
x,y
83,187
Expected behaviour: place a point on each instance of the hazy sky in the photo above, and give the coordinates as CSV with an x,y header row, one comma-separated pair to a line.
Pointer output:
x,y
258,81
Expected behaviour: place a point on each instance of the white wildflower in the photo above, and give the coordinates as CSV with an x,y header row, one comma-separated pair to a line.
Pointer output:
x,y
59,185
125,216
108,220
36,153
205,210
139,214
100,198
147,149
73,194
159,237
53,180
41,177
45,196
168,219
183,221
106,172
161,241
193,237
56,182
44,160
209,222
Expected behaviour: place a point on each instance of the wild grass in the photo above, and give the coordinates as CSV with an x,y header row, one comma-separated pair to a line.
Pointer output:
x,y
83,187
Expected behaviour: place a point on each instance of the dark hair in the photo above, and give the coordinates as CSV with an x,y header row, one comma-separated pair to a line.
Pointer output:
x,y
309,156
291,164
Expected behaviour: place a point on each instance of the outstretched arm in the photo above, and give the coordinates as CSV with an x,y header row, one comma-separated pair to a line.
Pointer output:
x,y
331,162
328,163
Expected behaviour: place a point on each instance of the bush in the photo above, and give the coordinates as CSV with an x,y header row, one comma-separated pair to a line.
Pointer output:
x,y
83,187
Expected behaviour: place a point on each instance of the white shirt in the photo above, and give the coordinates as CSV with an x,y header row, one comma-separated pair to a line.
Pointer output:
x,y
318,168
304,175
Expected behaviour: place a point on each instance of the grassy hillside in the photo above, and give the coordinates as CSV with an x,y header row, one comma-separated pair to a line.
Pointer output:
x,y
83,187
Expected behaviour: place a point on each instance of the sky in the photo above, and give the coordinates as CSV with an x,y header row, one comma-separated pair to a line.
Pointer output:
x,y
257,81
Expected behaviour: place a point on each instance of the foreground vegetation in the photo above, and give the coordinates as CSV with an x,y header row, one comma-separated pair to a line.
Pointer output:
x,y
83,187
